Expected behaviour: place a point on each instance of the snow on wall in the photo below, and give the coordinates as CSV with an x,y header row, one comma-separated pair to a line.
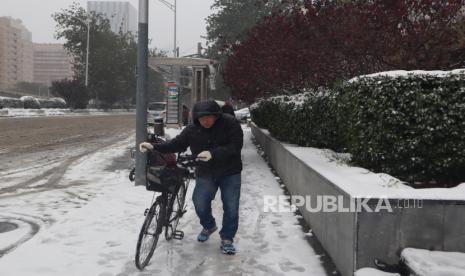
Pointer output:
x,y
360,182
403,73
434,263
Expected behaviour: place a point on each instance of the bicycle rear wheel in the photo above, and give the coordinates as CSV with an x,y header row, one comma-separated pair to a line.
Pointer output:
x,y
176,211
149,233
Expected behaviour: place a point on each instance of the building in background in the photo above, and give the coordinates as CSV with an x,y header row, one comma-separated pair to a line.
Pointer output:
x,y
16,63
122,15
51,63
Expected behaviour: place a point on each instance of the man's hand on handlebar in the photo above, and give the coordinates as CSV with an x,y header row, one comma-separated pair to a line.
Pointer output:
x,y
204,156
187,161
145,146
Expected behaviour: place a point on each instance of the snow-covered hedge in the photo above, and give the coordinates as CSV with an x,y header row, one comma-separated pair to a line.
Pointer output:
x,y
411,126
6,102
408,125
306,119
30,102
52,103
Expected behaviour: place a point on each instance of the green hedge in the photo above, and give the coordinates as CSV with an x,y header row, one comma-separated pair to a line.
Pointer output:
x,y
410,126
306,119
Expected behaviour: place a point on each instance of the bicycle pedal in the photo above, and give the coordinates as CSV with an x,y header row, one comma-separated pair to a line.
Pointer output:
x,y
178,235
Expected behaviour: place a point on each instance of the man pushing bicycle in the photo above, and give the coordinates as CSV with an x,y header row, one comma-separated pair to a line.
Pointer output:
x,y
216,139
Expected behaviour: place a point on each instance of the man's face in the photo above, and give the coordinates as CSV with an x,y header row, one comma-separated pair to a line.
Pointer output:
x,y
207,121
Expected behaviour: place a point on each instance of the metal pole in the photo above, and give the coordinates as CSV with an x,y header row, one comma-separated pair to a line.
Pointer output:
x,y
87,55
175,52
141,97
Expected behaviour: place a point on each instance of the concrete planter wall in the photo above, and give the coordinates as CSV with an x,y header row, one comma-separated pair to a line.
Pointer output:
x,y
354,239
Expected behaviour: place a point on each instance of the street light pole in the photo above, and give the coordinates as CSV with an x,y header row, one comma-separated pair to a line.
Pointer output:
x,y
175,49
87,54
142,87
173,8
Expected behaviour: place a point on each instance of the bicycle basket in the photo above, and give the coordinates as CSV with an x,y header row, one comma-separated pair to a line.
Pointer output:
x,y
163,179
157,159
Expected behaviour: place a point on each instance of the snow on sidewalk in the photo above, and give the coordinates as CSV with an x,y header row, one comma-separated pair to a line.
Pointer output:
x,y
91,228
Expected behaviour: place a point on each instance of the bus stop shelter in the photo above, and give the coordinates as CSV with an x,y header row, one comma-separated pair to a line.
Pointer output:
x,y
194,79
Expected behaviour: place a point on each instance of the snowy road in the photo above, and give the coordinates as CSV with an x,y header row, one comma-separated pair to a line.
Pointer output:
x,y
90,225
29,139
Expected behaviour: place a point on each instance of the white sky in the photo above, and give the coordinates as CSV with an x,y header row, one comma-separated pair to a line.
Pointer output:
x,y
191,15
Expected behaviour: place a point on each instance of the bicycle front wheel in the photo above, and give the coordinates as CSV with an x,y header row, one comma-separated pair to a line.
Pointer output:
x,y
149,233
177,210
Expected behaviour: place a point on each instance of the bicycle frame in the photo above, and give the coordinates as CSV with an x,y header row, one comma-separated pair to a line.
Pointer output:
x,y
166,218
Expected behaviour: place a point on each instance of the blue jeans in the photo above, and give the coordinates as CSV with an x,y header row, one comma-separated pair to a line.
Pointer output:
x,y
205,191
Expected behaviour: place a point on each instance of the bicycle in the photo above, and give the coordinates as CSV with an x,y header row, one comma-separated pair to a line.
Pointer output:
x,y
171,180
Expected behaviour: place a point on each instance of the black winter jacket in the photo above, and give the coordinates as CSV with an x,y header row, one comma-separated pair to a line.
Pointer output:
x,y
227,109
224,140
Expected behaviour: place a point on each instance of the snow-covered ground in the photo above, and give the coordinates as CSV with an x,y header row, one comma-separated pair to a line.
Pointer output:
x,y
425,263
367,271
434,263
89,226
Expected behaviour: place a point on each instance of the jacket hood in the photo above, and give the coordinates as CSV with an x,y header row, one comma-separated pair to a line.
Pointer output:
x,y
204,108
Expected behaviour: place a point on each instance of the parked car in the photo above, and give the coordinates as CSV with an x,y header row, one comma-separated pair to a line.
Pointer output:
x,y
242,114
156,110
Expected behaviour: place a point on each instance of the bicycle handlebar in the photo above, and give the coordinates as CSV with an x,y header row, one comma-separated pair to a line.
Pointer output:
x,y
187,161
